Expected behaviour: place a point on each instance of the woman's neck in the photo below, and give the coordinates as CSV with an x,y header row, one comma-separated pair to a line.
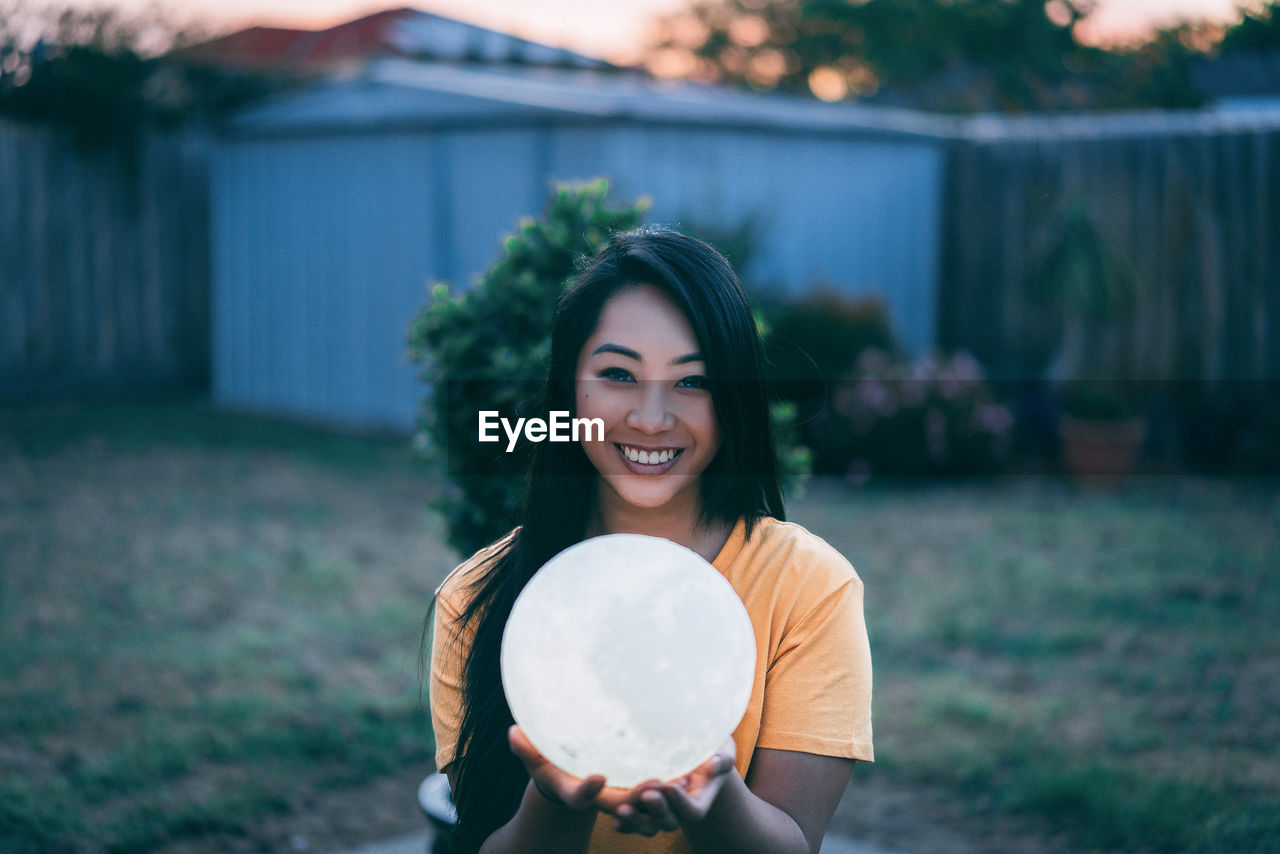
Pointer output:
x,y
678,521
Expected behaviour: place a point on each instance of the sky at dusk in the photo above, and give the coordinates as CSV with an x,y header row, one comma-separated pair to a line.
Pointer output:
x,y
615,29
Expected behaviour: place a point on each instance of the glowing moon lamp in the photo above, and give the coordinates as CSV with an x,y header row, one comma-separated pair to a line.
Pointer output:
x,y
628,656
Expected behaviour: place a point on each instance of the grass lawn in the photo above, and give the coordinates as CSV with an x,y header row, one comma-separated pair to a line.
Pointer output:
x,y
209,629
1105,662
207,625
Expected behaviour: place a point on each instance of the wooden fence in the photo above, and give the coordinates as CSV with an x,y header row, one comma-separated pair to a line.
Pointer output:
x,y
104,261
105,258
1192,201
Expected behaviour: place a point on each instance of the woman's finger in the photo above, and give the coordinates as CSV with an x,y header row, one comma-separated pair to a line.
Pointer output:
x,y
584,794
720,762
554,784
682,805
615,797
524,749
658,810
628,819
624,819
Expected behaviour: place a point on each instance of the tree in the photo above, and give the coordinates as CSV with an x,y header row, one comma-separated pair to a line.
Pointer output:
x,y
103,72
1259,29
952,55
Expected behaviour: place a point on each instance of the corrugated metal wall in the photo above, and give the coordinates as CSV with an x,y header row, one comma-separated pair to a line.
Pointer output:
x,y
104,260
326,249
310,233
862,215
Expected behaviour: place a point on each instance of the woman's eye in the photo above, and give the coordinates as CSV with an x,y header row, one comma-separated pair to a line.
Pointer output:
x,y
616,374
698,382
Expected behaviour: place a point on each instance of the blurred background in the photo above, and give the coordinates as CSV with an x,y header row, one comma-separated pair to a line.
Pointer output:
x,y
1018,267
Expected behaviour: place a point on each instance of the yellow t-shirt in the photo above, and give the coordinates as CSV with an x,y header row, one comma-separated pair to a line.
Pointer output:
x,y
812,690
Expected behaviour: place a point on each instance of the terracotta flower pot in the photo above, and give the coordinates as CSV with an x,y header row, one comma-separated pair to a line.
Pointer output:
x,y
1100,451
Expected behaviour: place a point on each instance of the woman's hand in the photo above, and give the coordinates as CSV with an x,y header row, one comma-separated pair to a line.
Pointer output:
x,y
554,784
561,787
653,807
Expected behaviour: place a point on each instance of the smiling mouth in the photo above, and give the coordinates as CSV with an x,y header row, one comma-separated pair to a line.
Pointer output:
x,y
649,458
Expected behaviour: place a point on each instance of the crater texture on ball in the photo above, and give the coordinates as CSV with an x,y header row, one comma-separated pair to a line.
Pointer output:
x,y
628,656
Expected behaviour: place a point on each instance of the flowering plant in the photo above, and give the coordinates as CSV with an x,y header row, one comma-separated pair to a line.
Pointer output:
x,y
934,416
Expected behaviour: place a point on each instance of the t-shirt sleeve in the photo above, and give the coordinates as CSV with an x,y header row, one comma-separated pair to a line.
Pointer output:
x,y
817,695
446,680
449,650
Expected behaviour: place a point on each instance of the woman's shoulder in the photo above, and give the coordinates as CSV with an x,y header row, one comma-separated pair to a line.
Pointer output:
x,y
792,553
453,590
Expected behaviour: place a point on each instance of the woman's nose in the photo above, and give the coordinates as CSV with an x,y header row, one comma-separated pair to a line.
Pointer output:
x,y
651,413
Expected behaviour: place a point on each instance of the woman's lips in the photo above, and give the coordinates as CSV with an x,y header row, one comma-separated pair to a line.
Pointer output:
x,y
649,468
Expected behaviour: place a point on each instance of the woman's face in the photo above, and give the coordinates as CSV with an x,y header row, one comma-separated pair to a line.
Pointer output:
x,y
642,374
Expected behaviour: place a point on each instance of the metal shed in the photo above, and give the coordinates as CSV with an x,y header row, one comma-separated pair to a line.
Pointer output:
x,y
335,208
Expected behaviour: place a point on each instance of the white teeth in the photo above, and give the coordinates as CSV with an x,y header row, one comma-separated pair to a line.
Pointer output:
x,y
649,458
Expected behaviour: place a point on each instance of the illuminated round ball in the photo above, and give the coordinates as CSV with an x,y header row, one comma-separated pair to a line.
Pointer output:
x,y
628,656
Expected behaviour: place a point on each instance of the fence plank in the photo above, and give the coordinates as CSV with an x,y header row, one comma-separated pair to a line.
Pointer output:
x,y
105,268
1193,209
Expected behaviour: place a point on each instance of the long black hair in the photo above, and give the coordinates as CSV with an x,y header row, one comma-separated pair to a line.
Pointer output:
x,y
741,482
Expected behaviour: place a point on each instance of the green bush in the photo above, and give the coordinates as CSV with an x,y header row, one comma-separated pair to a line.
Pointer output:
x,y
811,342
814,340
486,349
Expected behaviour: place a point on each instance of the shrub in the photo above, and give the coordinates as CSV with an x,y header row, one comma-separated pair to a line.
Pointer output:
x,y
486,349
932,417
810,341
816,339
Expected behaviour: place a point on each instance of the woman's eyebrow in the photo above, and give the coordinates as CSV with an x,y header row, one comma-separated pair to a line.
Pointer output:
x,y
632,354
619,349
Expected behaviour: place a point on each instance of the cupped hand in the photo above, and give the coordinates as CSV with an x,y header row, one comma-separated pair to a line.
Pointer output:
x,y
652,807
558,786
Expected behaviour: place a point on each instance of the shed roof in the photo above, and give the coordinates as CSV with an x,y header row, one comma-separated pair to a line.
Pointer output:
x,y
402,94
395,93
392,32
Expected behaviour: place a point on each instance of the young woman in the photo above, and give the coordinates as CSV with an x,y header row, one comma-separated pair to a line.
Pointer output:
x,y
657,339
